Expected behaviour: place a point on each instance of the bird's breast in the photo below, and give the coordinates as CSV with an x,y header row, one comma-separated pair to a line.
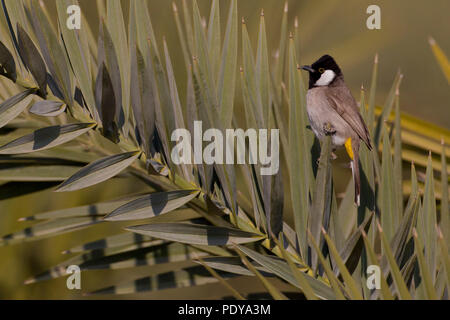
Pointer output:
x,y
321,113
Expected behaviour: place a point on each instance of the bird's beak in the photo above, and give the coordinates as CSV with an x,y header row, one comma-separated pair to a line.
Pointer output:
x,y
308,68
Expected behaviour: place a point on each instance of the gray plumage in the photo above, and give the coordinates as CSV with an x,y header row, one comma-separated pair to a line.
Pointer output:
x,y
332,110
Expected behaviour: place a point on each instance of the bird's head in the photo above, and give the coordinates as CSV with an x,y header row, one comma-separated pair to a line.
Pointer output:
x,y
323,72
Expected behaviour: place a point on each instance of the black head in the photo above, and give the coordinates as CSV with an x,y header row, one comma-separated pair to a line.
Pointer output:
x,y
323,72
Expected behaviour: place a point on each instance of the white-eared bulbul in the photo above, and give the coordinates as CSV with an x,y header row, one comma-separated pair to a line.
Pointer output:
x,y
332,110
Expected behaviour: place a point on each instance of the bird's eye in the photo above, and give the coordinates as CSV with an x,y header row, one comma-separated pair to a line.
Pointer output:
x,y
321,70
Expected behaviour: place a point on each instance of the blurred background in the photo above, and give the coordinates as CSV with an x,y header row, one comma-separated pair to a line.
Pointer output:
x,y
325,26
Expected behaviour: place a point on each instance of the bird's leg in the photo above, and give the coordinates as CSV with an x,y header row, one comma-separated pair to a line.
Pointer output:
x,y
328,129
333,157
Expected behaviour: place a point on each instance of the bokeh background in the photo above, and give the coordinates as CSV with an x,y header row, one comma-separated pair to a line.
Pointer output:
x,y
325,26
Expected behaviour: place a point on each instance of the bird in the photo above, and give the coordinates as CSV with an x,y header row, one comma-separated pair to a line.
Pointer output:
x,y
333,111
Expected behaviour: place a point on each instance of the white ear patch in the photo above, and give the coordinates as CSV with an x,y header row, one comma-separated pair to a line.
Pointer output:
x,y
326,78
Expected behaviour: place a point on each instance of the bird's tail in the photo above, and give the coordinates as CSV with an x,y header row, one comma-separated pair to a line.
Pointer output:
x,y
356,178
353,151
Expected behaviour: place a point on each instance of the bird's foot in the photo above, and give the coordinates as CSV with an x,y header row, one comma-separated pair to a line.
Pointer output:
x,y
328,129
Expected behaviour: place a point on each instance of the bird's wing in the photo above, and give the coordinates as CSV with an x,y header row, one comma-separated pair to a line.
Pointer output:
x,y
342,101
